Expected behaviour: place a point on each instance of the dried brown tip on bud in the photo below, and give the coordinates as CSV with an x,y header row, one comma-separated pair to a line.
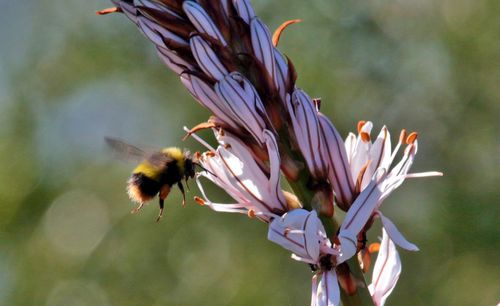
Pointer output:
x,y
360,125
109,11
199,201
317,103
365,136
251,214
209,154
281,28
411,138
374,247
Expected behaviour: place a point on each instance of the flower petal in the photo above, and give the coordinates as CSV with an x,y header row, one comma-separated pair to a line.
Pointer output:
x,y
262,46
306,128
386,271
173,61
361,152
357,216
247,108
201,21
396,235
298,231
207,59
244,9
208,98
328,293
158,34
339,169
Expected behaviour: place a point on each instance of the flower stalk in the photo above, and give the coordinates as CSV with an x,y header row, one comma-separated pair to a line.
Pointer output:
x,y
268,128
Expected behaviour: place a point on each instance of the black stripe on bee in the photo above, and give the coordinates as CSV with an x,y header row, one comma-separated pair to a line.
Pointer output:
x,y
145,184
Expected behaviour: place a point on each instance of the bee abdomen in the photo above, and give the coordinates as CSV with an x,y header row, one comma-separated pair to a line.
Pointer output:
x,y
141,188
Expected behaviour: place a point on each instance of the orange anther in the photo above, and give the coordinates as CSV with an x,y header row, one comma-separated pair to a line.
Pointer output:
x,y
360,125
281,28
199,127
251,213
199,201
374,247
109,11
411,138
365,136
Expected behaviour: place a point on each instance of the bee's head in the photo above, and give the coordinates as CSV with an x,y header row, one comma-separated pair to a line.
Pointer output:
x,y
189,165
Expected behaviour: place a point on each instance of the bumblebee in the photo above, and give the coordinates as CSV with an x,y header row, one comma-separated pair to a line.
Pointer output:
x,y
156,173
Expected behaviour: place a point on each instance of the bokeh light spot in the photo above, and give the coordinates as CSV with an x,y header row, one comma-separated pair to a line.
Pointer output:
x,y
77,293
76,222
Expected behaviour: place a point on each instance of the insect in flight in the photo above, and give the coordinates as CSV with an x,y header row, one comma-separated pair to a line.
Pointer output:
x,y
156,173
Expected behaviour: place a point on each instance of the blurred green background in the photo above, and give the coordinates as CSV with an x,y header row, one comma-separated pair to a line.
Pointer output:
x,y
68,78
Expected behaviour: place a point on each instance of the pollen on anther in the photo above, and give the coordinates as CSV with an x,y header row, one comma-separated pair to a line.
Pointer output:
x,y
374,247
108,11
251,213
360,125
411,138
199,201
365,136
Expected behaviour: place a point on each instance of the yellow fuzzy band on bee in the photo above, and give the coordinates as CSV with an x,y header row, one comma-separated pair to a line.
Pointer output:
x,y
177,154
148,170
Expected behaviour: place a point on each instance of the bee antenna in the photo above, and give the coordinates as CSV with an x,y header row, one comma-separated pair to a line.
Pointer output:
x,y
204,169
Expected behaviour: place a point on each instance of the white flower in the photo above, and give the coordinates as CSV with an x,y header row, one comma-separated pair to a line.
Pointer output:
x,y
301,232
376,180
233,168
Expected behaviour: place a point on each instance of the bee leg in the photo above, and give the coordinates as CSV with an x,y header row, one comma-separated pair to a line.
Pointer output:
x,y
164,191
187,185
181,187
162,202
137,208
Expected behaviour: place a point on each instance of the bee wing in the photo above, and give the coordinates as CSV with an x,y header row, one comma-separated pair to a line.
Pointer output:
x,y
159,160
125,150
